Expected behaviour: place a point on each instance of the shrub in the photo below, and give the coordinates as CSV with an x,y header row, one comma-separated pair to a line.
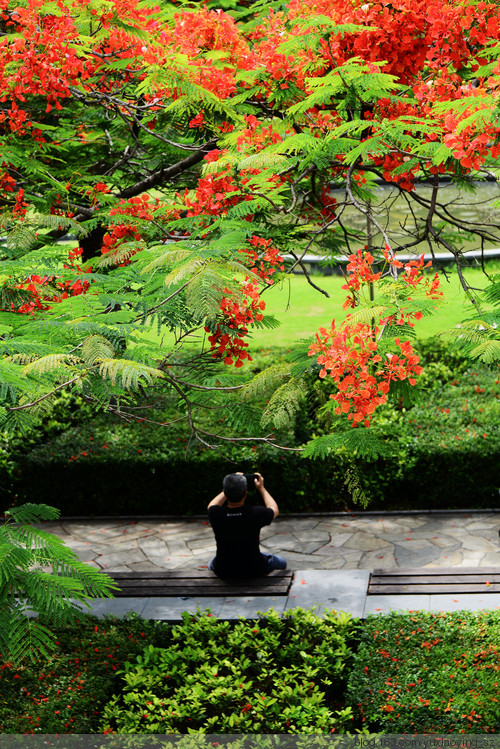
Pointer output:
x,y
428,673
277,675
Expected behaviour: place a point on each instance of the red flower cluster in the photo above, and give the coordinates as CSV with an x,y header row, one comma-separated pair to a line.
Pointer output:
x,y
20,206
215,194
256,136
360,272
264,260
41,288
118,235
362,377
350,353
237,312
141,206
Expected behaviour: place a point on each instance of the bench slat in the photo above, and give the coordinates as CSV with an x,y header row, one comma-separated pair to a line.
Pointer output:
x,y
433,588
197,592
211,584
435,580
197,583
186,574
430,571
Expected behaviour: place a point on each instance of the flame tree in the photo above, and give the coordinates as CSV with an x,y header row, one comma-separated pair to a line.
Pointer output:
x,y
194,156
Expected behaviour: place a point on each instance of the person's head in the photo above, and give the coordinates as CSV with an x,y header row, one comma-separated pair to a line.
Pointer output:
x,y
234,487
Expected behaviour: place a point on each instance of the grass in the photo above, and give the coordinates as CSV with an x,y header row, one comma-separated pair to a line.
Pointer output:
x,y
302,310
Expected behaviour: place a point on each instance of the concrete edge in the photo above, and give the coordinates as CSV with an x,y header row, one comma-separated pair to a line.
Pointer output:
x,y
343,514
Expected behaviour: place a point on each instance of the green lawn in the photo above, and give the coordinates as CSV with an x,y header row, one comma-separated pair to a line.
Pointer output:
x,y
302,310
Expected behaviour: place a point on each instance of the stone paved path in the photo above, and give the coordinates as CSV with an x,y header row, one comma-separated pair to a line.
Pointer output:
x,y
362,542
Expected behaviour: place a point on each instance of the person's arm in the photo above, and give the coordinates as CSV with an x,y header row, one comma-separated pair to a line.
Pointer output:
x,y
218,500
268,500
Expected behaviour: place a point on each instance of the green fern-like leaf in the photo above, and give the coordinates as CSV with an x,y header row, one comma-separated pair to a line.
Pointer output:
x,y
19,241
204,291
300,359
39,574
22,637
50,363
267,380
95,349
285,402
360,441
180,273
354,485
263,160
492,292
167,255
130,374
243,418
32,513
367,314
487,352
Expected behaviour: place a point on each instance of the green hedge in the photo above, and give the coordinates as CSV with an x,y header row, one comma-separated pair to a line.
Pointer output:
x,y
444,453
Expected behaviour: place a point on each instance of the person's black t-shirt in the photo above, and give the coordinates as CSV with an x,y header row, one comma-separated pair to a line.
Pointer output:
x,y
237,533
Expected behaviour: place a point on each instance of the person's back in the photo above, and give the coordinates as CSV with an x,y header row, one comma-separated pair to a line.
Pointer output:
x,y
237,530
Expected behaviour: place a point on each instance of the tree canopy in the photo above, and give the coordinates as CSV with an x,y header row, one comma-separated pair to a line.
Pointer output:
x,y
163,165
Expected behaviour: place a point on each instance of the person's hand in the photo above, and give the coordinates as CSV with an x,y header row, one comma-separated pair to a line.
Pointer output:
x,y
259,482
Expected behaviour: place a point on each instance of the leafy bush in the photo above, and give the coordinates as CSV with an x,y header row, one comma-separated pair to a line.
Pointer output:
x,y
428,673
271,676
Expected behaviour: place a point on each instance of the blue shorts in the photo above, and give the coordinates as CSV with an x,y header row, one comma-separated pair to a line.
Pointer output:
x,y
274,562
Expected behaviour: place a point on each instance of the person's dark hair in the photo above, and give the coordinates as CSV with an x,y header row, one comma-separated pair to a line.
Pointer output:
x,y
234,487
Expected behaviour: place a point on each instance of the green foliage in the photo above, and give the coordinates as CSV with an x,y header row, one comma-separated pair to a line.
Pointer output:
x,y
441,451
406,673
38,573
277,675
123,131
420,673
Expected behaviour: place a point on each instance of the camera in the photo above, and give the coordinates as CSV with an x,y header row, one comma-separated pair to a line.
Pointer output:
x,y
250,480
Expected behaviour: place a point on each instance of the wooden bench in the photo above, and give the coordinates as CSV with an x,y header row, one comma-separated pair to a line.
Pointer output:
x,y
434,580
195,583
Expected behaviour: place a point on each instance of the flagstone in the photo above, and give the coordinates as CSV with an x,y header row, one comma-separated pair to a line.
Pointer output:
x,y
450,559
201,543
365,542
296,558
471,559
329,563
315,535
375,559
442,541
412,555
86,554
290,524
491,559
147,566
153,545
206,550
475,543
120,557
177,547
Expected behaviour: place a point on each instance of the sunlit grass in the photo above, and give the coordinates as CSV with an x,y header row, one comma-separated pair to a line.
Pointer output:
x,y
301,309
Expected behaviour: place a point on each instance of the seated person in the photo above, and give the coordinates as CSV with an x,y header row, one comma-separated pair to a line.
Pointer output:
x,y
237,530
